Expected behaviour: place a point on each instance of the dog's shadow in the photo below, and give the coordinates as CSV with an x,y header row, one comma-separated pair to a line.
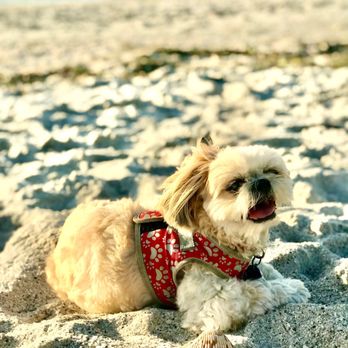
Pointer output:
x,y
166,325
98,327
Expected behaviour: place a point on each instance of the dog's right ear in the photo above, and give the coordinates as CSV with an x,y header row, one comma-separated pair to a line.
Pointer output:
x,y
181,200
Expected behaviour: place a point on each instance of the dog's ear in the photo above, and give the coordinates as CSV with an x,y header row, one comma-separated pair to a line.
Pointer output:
x,y
207,140
181,200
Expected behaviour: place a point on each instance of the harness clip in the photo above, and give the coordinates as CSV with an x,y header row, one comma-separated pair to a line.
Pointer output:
x,y
256,260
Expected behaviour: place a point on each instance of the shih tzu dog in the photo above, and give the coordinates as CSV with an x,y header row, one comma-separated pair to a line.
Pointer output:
x,y
200,251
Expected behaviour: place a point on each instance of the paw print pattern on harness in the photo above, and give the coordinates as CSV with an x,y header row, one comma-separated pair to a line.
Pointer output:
x,y
163,256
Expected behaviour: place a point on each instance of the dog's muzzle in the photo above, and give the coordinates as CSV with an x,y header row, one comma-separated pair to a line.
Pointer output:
x,y
261,187
265,208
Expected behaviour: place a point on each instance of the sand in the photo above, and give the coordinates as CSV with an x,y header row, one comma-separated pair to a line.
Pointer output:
x,y
105,101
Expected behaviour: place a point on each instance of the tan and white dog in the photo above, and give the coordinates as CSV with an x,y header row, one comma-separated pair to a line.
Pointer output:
x,y
229,195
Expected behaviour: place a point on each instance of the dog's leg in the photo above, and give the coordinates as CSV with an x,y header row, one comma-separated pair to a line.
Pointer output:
x,y
269,272
209,303
286,290
212,304
269,294
203,299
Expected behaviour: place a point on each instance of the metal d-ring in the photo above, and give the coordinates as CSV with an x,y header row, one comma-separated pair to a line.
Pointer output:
x,y
256,260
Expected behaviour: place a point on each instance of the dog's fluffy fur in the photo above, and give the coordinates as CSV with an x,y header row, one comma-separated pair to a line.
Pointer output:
x,y
94,263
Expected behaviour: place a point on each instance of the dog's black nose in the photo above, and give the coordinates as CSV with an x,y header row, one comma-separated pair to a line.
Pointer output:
x,y
262,186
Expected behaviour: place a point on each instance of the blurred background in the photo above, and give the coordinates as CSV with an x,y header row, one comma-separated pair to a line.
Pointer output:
x,y
102,99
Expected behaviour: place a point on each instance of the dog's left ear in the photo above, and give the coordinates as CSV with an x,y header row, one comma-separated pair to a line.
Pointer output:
x,y
181,200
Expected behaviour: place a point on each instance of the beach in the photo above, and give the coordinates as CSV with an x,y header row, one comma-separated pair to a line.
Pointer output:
x,y
104,100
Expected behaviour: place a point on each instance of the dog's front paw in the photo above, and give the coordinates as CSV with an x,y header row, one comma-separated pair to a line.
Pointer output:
x,y
210,339
299,293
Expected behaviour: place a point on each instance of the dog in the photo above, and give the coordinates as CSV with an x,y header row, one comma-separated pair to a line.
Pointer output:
x,y
213,216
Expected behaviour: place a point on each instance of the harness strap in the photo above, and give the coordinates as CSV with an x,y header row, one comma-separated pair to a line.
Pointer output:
x,y
162,252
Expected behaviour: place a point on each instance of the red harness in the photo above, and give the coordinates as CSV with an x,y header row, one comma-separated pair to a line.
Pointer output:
x,y
161,255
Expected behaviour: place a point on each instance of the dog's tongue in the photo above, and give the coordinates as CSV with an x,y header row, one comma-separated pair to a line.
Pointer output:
x,y
262,210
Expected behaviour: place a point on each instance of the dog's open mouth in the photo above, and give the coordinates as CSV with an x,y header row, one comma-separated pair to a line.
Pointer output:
x,y
263,211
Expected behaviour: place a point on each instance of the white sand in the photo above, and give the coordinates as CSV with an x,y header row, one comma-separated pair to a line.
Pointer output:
x,y
63,142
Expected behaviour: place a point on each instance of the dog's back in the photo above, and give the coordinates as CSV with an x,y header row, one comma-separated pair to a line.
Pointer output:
x,y
94,263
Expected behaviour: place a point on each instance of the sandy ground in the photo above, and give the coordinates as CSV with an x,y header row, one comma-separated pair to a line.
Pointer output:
x,y
83,115
101,33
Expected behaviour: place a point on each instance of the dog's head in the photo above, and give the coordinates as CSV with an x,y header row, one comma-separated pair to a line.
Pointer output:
x,y
237,189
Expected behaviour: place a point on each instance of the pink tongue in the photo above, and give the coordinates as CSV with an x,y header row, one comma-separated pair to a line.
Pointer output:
x,y
262,210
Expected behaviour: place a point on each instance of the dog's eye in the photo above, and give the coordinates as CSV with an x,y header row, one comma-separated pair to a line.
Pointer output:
x,y
271,171
235,185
